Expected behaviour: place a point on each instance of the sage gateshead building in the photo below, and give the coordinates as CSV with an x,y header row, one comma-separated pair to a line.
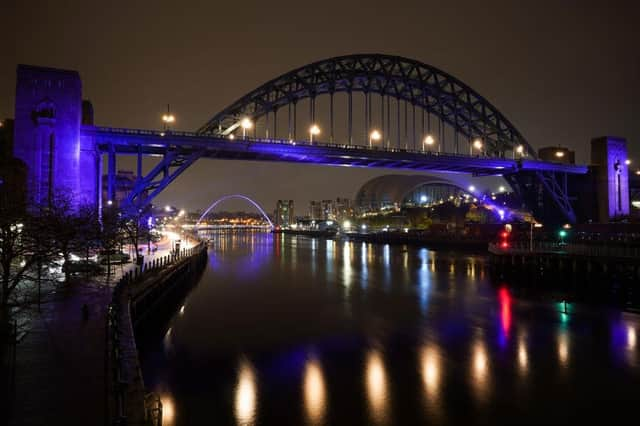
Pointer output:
x,y
402,191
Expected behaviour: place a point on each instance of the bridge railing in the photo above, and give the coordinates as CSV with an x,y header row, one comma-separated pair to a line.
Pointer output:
x,y
288,142
122,366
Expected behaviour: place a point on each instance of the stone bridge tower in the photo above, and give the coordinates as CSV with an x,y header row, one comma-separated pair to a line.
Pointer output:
x,y
47,138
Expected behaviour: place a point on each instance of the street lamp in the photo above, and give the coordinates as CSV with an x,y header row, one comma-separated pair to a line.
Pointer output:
x,y
532,225
374,136
314,130
246,124
168,118
429,141
477,144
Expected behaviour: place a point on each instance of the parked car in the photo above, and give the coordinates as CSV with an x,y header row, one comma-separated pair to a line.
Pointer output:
x,y
82,266
113,256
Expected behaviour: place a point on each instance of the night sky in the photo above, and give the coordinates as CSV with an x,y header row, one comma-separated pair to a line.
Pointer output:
x,y
561,71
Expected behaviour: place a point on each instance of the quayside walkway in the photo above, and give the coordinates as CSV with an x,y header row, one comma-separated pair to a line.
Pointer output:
x,y
60,361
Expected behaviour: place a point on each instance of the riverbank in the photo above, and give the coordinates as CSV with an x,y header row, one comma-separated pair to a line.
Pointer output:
x,y
59,370
135,296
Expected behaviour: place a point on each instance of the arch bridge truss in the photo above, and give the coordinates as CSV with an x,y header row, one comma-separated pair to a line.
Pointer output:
x,y
426,102
400,114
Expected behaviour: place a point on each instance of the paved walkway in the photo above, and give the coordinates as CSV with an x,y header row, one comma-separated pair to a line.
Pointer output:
x,y
60,363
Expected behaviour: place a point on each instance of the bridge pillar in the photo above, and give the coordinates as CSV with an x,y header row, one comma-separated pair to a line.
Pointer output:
x,y
48,116
609,156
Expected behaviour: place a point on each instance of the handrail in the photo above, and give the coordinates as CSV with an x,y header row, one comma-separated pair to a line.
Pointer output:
x,y
288,142
122,292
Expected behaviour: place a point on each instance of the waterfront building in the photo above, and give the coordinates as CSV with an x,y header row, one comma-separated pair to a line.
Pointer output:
x,y
284,214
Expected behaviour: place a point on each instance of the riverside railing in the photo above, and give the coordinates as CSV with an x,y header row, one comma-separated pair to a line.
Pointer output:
x,y
570,249
123,370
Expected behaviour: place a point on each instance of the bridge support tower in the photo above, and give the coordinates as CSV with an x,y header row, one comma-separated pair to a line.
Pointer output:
x,y
47,138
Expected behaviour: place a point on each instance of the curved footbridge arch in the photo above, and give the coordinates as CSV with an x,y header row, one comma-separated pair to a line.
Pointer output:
x,y
234,196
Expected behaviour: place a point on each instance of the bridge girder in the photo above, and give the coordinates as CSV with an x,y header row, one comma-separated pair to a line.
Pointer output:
x,y
422,85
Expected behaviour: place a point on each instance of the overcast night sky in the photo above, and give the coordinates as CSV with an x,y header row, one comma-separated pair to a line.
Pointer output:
x,y
561,71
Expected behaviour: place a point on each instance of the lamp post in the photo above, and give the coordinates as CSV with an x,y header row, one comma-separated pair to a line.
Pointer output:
x,y
314,130
246,124
168,118
519,150
429,141
374,136
532,225
477,144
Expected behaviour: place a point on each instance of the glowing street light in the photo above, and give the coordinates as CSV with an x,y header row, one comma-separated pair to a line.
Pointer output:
x,y
168,118
472,188
246,124
477,144
429,141
627,161
374,136
501,188
314,130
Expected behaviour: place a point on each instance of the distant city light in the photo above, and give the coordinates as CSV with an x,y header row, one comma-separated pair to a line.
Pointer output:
x,y
346,224
181,213
501,214
429,140
627,161
364,227
520,149
477,144
559,154
231,136
472,188
109,202
167,208
423,198
502,188
376,135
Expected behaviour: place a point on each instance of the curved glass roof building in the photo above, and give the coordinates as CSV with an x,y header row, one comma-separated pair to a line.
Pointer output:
x,y
396,191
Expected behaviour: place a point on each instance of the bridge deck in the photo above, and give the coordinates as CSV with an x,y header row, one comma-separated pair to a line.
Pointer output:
x,y
157,143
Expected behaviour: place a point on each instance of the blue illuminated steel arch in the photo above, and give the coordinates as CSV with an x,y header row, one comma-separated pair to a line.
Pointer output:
x,y
227,197
422,85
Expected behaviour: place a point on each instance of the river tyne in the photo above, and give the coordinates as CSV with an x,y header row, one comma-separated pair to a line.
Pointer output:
x,y
286,330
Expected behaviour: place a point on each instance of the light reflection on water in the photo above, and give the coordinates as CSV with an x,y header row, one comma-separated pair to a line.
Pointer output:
x,y
370,356
168,410
315,398
430,370
376,378
245,395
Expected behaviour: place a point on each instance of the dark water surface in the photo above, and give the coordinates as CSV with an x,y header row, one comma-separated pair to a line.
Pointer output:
x,y
286,330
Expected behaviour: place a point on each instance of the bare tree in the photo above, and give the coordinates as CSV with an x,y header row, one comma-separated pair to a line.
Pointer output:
x,y
136,229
